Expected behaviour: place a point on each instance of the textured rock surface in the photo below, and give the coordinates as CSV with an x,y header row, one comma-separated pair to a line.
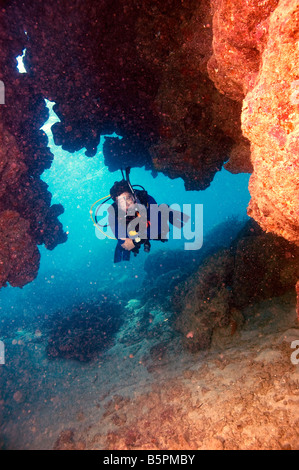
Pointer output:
x,y
270,119
257,266
19,256
26,215
240,32
83,331
204,301
152,396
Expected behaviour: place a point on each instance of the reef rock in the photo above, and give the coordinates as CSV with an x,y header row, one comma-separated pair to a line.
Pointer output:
x,y
270,119
84,331
165,269
257,266
19,256
26,215
11,160
204,301
240,33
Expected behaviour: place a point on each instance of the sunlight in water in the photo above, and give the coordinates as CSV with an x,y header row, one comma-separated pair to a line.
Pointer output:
x,y
20,62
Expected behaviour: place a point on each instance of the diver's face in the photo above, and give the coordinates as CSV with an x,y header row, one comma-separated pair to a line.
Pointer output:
x,y
124,201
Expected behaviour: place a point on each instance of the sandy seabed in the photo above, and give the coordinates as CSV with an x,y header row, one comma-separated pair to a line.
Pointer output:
x,y
146,392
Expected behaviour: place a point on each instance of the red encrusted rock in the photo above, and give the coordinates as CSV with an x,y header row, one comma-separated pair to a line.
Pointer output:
x,y
11,161
199,127
19,256
66,441
270,121
240,31
27,217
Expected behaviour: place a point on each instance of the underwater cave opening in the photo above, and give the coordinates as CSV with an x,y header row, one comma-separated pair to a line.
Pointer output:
x,y
82,268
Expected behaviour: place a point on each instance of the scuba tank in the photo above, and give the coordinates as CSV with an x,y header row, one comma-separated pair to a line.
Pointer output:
x,y
146,243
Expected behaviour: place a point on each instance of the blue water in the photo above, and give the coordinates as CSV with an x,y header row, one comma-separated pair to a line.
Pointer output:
x,y
78,272
83,266
96,358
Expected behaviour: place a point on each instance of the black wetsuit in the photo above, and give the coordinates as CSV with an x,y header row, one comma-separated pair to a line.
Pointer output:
x,y
120,253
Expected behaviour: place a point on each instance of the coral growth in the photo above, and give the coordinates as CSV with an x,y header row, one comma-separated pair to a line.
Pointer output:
x,y
188,85
204,301
19,256
165,269
27,217
83,331
66,441
270,121
257,266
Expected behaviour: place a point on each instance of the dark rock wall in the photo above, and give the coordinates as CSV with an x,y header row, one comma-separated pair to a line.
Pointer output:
x,y
256,267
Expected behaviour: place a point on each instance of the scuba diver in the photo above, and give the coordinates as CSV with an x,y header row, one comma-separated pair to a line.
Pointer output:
x,y
127,201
